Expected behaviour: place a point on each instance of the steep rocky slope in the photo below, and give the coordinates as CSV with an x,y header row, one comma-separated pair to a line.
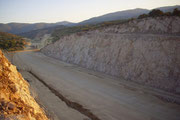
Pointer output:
x,y
145,51
16,102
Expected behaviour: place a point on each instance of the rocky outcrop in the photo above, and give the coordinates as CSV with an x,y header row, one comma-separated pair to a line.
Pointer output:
x,y
159,25
16,103
144,51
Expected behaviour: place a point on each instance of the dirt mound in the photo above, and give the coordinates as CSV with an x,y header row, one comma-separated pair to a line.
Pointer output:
x,y
15,99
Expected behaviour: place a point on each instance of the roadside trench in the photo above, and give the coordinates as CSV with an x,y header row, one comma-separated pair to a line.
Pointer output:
x,y
74,105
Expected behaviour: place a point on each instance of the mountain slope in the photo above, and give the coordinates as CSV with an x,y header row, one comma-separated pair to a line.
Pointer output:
x,y
116,16
40,32
11,42
169,8
126,14
17,28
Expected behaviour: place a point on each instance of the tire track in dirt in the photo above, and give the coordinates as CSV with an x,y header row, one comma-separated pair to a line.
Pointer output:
x,y
69,103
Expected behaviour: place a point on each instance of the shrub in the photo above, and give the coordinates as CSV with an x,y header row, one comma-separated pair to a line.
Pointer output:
x,y
11,42
155,13
143,16
176,12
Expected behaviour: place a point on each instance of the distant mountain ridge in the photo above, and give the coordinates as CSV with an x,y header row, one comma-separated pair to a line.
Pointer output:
x,y
116,16
17,28
126,14
41,32
169,8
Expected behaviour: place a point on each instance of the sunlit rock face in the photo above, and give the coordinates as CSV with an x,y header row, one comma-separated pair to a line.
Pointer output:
x,y
16,102
145,51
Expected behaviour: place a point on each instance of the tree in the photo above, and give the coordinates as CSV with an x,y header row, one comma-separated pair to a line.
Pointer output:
x,y
176,12
156,13
142,16
168,14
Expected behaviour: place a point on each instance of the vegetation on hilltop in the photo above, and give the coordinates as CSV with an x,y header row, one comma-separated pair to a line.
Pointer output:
x,y
11,42
159,13
58,33
125,14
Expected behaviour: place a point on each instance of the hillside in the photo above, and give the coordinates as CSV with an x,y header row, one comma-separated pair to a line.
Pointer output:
x,y
126,14
17,28
42,37
60,32
16,103
141,50
41,32
11,42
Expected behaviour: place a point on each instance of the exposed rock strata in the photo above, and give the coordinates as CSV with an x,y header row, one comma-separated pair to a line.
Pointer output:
x,y
159,25
145,51
15,99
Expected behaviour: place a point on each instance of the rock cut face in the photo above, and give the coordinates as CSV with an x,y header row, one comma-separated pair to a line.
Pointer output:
x,y
144,51
15,99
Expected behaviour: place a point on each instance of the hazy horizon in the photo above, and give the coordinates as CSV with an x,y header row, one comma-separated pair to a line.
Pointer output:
x,y
42,11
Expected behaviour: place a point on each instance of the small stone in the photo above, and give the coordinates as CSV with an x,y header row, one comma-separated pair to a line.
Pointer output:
x,y
11,106
3,103
13,88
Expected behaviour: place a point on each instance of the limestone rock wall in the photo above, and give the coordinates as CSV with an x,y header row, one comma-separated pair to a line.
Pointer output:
x,y
147,58
16,102
159,25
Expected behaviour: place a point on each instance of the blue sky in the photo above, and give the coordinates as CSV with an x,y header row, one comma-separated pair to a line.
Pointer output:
x,y
31,11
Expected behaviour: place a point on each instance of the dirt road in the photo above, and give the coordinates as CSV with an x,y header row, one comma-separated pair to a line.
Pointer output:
x,y
84,94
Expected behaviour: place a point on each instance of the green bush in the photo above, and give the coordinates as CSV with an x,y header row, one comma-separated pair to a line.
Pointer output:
x,y
155,13
142,16
11,42
176,12
159,13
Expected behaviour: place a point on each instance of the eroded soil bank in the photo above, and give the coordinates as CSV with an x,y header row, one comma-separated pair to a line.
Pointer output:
x,y
15,99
